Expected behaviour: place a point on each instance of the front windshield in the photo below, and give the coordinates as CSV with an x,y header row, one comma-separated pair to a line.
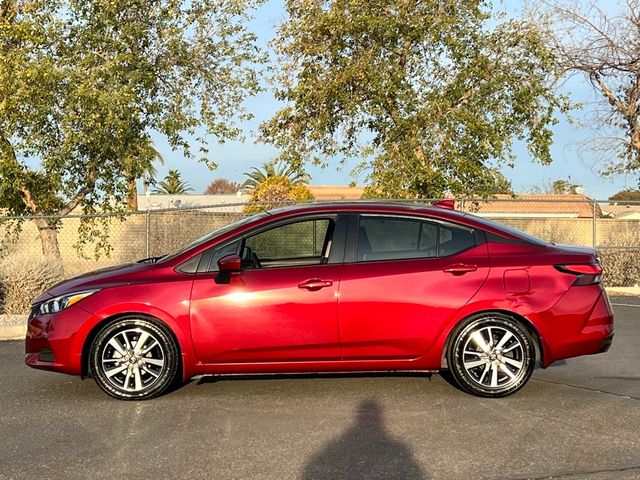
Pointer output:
x,y
214,234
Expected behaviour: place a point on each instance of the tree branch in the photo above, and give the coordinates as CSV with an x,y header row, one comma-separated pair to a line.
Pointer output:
x,y
28,200
613,100
78,197
7,151
5,9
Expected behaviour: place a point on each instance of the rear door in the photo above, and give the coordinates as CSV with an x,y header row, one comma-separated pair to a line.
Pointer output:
x,y
404,278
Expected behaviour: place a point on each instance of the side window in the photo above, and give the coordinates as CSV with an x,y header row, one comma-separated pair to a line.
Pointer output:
x,y
392,238
388,238
454,240
306,242
222,252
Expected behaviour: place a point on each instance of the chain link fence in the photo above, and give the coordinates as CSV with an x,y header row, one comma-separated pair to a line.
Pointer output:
x,y
89,242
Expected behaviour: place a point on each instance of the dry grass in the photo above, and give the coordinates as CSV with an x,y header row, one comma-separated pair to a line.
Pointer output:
x,y
22,278
621,267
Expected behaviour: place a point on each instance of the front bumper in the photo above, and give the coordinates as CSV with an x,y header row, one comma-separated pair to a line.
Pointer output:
x,y
54,342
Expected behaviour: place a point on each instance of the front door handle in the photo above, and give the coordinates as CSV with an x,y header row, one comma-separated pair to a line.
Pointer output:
x,y
460,268
315,284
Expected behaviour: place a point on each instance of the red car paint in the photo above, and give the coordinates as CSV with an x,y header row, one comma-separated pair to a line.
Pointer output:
x,y
340,316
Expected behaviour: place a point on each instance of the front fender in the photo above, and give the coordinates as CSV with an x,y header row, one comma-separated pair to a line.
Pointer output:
x,y
177,326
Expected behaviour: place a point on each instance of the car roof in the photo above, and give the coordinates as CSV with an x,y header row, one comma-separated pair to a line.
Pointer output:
x,y
366,206
398,208
360,206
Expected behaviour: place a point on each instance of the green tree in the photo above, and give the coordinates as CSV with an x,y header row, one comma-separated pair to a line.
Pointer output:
x,y
424,92
557,187
276,191
141,166
84,84
172,184
499,184
256,175
564,187
626,195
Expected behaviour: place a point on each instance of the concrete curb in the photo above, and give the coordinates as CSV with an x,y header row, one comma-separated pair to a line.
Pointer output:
x,y
13,332
17,331
624,291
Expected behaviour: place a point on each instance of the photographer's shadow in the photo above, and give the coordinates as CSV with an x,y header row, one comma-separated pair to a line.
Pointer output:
x,y
365,451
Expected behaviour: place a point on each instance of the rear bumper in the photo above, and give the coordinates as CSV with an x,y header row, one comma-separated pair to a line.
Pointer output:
x,y
606,345
581,323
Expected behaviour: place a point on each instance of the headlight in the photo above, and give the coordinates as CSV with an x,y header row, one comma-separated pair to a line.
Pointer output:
x,y
58,304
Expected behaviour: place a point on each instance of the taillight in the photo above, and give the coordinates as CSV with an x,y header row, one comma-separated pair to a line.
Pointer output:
x,y
587,273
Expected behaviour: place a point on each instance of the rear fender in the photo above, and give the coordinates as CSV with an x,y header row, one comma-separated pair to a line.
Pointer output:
x,y
514,307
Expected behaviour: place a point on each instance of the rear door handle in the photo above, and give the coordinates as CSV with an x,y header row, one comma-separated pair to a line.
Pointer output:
x,y
315,284
460,268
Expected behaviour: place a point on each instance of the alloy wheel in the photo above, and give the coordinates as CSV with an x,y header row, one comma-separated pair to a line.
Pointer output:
x,y
493,357
133,359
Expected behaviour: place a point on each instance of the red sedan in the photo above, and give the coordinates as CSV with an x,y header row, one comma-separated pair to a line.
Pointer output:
x,y
326,288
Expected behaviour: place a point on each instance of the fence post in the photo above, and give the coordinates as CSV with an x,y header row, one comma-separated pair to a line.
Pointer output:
x,y
148,234
593,230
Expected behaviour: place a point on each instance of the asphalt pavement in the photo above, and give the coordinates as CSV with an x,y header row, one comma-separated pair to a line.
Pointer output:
x,y
580,418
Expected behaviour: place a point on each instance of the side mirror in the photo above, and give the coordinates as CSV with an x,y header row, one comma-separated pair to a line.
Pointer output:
x,y
230,264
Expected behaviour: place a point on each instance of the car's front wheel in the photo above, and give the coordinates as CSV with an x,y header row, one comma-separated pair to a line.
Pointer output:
x,y
491,355
134,358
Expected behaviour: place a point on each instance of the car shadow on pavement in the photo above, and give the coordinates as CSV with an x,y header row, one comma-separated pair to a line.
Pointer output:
x,y
364,451
206,379
447,376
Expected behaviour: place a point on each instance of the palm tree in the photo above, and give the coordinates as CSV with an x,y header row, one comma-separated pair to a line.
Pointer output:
x,y
173,184
257,176
141,166
149,175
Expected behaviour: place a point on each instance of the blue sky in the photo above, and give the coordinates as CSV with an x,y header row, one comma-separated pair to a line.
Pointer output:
x,y
234,158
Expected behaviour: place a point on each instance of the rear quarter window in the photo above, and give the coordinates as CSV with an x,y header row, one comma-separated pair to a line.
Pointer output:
x,y
454,240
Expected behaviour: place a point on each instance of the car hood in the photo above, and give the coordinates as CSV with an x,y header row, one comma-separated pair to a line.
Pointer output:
x,y
105,277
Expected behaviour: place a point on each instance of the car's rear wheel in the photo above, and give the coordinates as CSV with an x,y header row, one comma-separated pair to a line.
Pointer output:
x,y
491,355
134,358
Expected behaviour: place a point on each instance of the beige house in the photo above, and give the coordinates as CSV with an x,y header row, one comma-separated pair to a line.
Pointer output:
x,y
535,206
154,201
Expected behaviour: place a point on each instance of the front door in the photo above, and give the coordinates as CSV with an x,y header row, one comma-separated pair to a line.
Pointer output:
x,y
282,307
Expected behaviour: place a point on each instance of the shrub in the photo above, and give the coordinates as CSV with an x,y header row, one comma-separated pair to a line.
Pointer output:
x,y
621,267
276,192
24,277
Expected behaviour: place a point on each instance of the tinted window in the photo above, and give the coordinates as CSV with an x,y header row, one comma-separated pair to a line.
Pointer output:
x,y
222,252
389,238
454,240
385,238
300,243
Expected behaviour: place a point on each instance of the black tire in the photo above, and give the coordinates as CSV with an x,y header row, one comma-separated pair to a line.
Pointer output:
x,y
491,355
129,371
